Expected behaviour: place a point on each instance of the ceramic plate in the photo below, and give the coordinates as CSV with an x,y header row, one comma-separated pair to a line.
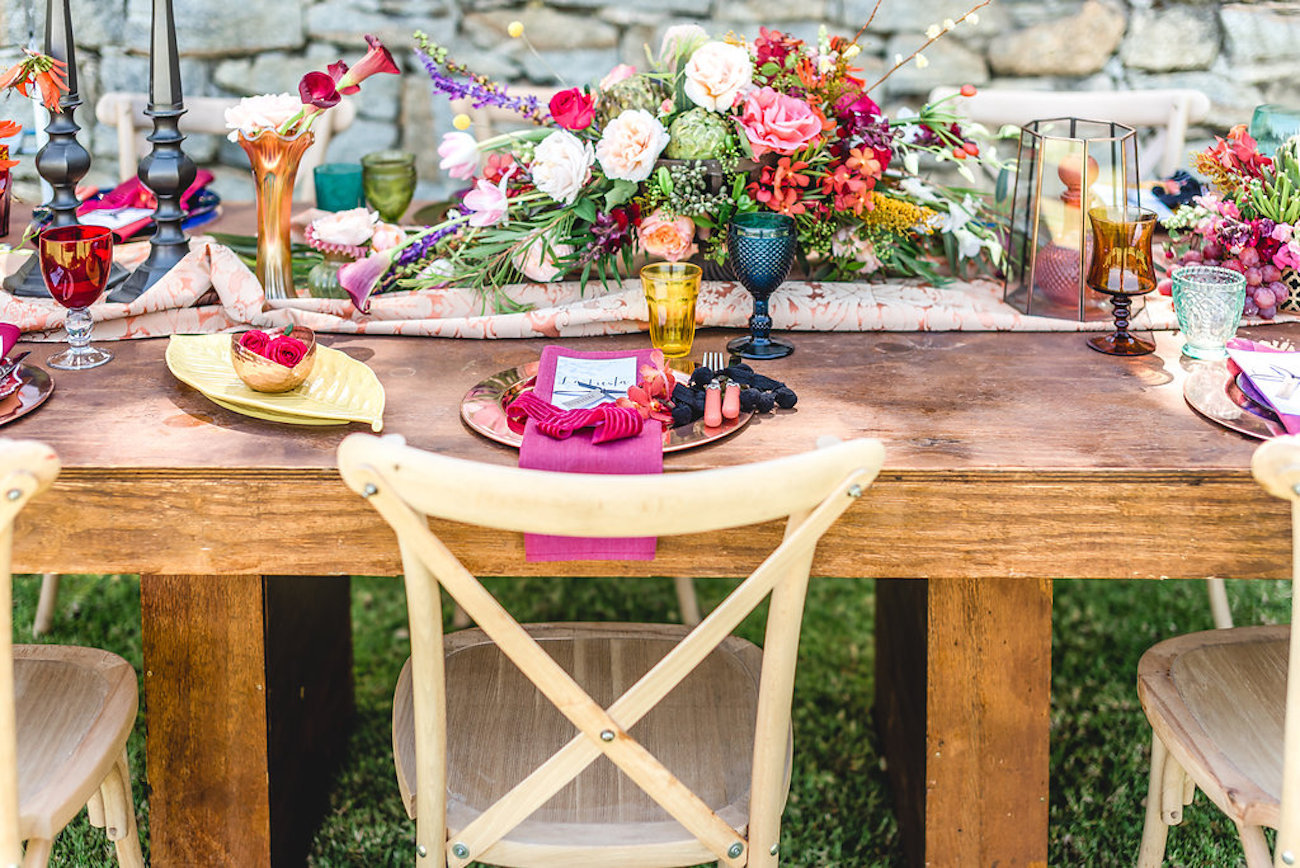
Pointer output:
x,y
339,390
1211,391
36,387
483,409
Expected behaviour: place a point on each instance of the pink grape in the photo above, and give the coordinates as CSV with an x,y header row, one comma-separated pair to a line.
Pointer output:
x,y
1191,257
1165,286
1212,250
1264,297
1268,312
1250,308
1235,265
1271,273
1249,257
1254,277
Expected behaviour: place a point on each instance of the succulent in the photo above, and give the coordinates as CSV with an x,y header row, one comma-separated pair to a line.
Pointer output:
x,y
698,134
635,92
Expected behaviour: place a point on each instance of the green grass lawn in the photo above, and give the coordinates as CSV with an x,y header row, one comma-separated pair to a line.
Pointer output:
x,y
840,809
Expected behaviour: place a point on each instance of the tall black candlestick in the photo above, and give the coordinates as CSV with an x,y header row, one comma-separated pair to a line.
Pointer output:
x,y
63,161
166,170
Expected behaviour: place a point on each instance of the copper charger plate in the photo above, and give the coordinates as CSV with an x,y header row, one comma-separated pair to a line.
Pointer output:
x,y
36,387
483,409
1213,392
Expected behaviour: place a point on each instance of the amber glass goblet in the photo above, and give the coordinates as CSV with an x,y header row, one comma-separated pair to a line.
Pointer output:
x,y
1122,268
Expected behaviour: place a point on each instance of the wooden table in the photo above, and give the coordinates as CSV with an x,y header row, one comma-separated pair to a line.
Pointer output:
x,y
1011,459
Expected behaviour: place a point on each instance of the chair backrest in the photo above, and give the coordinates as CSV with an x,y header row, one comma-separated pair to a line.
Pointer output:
x,y
207,114
407,485
1168,112
26,469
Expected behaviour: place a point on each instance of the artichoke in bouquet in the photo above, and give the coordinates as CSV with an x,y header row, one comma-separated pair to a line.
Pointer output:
x,y
698,134
634,92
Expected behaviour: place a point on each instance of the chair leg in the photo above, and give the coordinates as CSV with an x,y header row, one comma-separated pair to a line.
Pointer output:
x,y
37,854
1219,607
1255,847
686,600
1154,831
119,814
45,606
95,810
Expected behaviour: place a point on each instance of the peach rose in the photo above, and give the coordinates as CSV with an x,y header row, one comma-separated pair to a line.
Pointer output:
x,y
387,236
537,258
716,73
253,114
775,122
670,238
630,145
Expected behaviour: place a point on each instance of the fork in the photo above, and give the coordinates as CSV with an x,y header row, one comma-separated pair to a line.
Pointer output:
x,y
714,362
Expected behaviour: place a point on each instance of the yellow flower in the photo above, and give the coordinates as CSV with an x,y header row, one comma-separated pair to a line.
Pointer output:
x,y
461,121
515,29
852,51
898,216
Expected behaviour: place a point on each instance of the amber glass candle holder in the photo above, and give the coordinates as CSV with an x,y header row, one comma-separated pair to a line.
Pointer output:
x,y
1122,268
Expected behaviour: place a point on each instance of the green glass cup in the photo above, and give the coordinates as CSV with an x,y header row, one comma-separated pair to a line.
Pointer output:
x,y
338,186
388,178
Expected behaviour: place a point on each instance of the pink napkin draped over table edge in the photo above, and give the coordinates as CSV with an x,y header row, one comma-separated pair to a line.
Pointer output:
x,y
643,453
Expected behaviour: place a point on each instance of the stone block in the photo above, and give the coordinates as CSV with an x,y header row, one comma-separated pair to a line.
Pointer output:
x,y
916,15
420,133
570,68
346,23
1259,33
130,72
211,28
1231,99
769,12
1171,39
546,28
363,137
697,8
950,62
95,23
1073,46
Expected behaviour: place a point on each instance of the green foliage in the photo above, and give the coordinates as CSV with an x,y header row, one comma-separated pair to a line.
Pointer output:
x,y
840,811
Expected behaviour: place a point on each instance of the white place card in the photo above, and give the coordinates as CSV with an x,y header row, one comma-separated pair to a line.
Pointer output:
x,y
1276,375
584,383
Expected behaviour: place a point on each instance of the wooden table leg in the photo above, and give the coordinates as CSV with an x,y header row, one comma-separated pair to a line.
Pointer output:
x,y
248,698
963,672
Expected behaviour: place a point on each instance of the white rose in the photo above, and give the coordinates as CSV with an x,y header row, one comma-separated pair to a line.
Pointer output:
x,y
681,39
630,145
715,74
352,228
252,114
561,165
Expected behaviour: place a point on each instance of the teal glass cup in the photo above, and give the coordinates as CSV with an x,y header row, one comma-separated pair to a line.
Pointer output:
x,y
1208,301
338,186
388,178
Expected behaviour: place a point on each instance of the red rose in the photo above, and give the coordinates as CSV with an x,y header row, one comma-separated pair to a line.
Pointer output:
x,y
573,109
285,350
255,341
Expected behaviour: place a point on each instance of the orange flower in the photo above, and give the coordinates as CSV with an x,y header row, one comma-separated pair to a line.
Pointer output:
x,y
8,129
40,72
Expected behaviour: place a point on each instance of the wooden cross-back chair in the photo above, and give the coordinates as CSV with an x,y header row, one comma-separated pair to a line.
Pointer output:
x,y
678,738
1225,717
65,712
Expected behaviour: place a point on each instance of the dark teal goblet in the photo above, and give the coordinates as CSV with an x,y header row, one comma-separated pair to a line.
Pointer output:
x,y
760,248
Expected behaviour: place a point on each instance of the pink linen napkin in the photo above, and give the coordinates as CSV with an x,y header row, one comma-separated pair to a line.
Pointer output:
x,y
577,454
1289,422
132,193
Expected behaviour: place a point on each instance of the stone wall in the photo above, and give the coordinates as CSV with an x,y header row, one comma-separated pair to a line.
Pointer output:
x,y
1239,54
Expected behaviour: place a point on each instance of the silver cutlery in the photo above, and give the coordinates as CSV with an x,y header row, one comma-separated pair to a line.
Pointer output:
x,y
8,366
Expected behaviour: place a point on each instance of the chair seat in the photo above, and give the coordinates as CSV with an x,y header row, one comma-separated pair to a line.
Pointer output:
x,y
500,728
75,708
1197,691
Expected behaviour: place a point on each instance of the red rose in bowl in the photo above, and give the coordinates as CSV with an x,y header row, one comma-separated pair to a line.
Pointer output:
x,y
286,350
284,362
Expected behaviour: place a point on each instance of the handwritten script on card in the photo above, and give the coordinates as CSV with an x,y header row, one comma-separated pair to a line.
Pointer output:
x,y
584,383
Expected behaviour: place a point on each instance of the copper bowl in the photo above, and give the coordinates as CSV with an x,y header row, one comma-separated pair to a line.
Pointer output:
x,y
263,375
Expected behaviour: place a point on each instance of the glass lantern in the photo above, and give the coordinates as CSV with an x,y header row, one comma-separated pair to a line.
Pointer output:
x,y
1066,167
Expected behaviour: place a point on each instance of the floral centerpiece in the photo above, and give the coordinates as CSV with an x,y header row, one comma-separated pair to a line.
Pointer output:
x,y
657,162
1249,221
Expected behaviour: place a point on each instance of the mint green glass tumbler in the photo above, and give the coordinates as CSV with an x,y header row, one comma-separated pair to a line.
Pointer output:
x,y
389,181
1208,301
338,186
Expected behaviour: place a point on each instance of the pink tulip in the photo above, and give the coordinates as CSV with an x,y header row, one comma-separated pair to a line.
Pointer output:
x,y
459,153
377,59
488,202
360,279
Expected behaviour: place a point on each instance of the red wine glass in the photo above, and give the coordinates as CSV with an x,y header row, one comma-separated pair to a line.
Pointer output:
x,y
75,261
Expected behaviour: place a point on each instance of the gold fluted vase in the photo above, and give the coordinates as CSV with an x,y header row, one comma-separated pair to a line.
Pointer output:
x,y
274,159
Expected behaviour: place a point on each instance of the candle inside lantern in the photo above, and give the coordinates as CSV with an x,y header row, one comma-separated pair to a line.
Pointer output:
x,y
164,65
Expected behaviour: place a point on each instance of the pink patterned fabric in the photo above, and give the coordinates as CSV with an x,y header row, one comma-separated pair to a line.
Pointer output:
x,y
643,453
211,290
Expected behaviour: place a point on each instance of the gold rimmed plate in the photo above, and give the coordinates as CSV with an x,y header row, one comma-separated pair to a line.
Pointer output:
x,y
35,387
483,409
339,389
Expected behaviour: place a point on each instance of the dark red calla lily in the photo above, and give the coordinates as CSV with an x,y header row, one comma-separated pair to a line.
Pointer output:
x,y
318,89
377,59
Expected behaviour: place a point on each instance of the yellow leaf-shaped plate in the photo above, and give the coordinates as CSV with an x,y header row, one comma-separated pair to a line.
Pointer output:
x,y
339,389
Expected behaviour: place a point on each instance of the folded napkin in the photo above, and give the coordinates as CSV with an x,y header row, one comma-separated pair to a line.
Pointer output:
x,y
578,454
131,193
1261,383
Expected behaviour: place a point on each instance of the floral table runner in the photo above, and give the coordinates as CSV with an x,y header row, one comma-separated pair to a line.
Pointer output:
x,y
211,290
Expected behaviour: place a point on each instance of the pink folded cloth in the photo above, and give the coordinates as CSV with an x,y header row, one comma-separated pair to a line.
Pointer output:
x,y
578,454
610,421
1289,422
131,193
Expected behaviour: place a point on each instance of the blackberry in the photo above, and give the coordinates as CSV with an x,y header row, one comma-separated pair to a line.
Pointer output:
x,y
785,398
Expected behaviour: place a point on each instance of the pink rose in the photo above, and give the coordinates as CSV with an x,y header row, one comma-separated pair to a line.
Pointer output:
x,y
670,238
255,341
536,259
776,122
573,109
617,74
286,350
387,236
630,145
